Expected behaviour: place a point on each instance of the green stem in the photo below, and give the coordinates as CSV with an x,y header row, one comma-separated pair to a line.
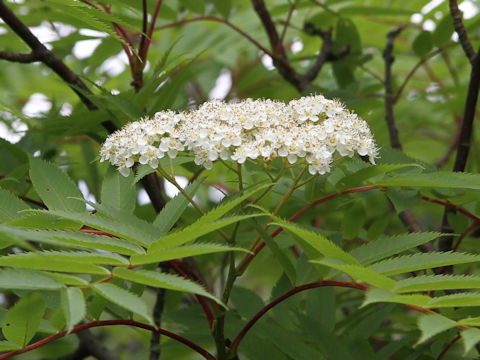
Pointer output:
x,y
241,266
172,180
274,181
231,277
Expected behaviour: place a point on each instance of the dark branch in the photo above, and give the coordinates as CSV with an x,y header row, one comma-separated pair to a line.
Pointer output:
x,y
41,53
260,8
464,142
460,29
326,53
18,57
389,98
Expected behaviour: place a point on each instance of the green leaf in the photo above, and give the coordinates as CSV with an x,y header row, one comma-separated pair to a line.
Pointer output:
x,y
197,6
39,219
118,192
123,298
181,252
455,300
470,321
175,208
27,280
369,172
375,10
433,324
353,219
470,338
120,216
57,261
92,18
112,226
228,204
423,43
165,281
387,246
8,346
442,34
380,295
437,282
54,187
73,304
420,261
246,301
10,205
223,7
358,272
91,241
403,199
22,321
73,239
318,242
192,232
69,279
141,171
343,72
279,255
347,34
441,179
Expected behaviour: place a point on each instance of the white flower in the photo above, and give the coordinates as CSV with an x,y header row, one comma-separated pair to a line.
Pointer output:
x,y
311,129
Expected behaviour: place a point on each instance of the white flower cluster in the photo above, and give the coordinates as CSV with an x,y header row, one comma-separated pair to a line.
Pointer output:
x,y
311,128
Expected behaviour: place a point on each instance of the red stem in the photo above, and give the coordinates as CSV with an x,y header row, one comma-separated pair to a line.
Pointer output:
x,y
97,232
453,206
123,35
144,29
248,258
464,234
148,40
201,299
449,345
128,322
296,289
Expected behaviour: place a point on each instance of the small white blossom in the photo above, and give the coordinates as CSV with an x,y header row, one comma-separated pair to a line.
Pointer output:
x,y
311,130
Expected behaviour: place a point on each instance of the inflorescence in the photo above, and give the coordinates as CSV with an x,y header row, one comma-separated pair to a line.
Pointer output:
x,y
310,129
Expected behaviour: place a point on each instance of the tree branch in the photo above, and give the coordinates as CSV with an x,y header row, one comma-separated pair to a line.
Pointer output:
x,y
326,52
18,57
268,24
41,53
389,99
466,129
460,30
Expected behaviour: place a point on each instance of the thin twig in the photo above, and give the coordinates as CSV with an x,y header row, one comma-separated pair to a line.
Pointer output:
x,y
285,27
467,231
460,30
148,40
416,67
19,57
466,130
449,345
389,99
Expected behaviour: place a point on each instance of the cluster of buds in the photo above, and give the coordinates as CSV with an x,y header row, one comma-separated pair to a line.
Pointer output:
x,y
311,130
